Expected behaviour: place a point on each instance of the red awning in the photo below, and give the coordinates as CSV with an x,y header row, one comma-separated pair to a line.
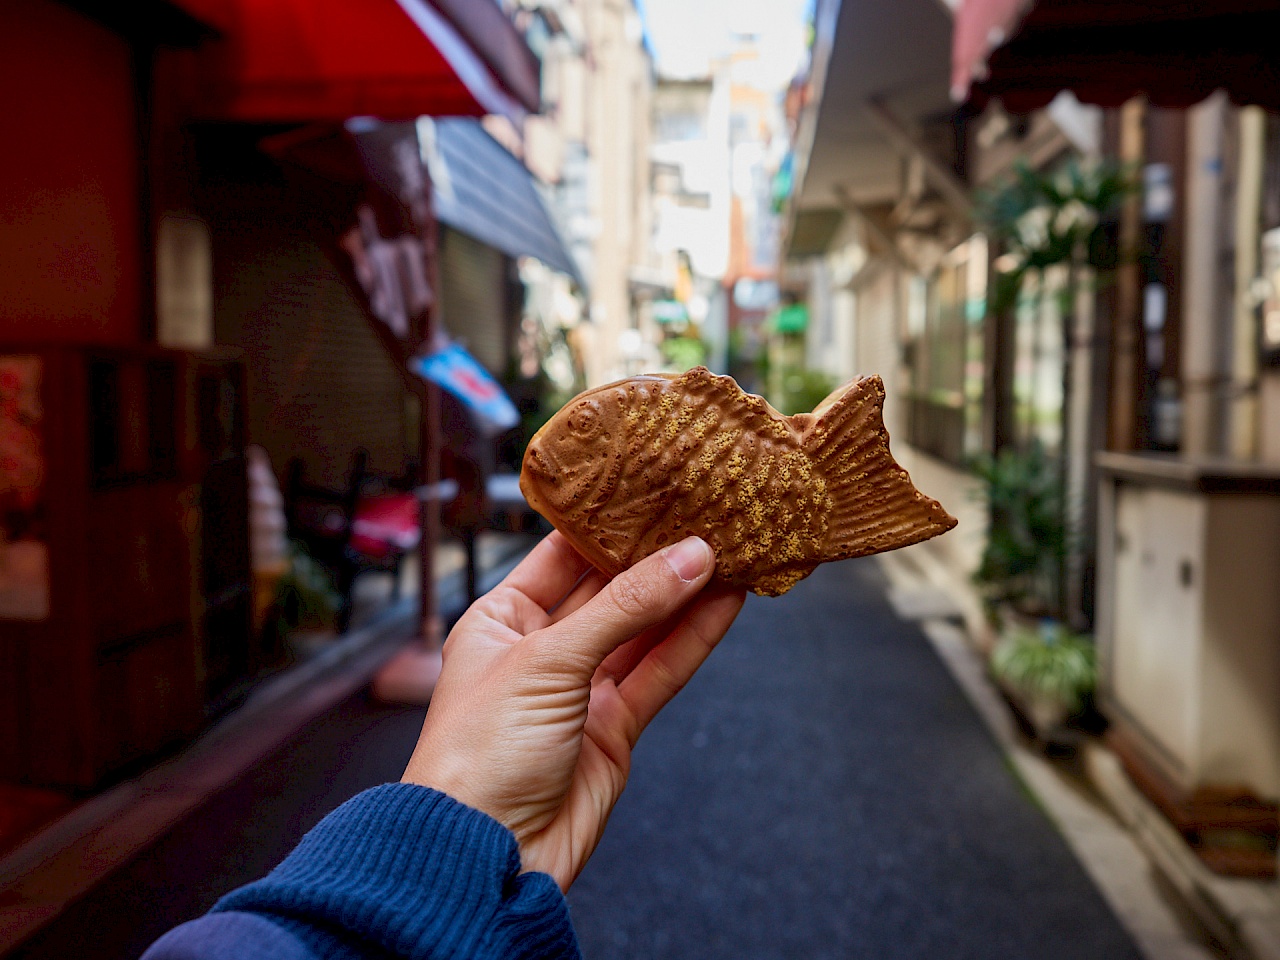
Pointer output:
x,y
981,26
1176,52
305,60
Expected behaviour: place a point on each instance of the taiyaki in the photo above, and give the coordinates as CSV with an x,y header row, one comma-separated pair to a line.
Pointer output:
x,y
626,468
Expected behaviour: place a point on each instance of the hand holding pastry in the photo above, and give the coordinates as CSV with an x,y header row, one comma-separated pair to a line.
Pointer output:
x,y
549,680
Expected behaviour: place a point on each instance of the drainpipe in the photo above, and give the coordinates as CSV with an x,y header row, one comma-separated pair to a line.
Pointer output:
x,y
1203,333
1126,361
1243,421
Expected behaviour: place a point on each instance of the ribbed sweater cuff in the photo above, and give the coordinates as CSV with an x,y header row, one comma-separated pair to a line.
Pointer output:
x,y
419,875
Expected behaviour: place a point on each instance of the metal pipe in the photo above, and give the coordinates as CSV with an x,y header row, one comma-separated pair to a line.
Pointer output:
x,y
1243,415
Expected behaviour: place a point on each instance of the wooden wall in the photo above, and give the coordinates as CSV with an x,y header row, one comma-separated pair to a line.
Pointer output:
x,y
70,175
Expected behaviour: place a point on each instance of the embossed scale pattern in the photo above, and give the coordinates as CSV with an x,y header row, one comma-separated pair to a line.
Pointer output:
x,y
627,468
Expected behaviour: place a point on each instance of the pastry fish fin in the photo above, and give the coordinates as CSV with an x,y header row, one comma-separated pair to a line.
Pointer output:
x,y
724,392
704,383
875,506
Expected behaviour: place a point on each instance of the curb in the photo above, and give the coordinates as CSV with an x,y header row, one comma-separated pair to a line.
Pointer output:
x,y
1163,927
1243,915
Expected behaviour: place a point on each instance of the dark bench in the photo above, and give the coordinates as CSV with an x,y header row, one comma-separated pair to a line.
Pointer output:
x,y
323,519
327,521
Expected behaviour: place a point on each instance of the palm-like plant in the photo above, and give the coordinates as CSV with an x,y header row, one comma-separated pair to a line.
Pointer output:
x,y
1026,540
1049,664
1044,220
1054,221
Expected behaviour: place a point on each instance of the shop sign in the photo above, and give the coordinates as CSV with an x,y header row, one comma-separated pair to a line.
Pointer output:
x,y
455,370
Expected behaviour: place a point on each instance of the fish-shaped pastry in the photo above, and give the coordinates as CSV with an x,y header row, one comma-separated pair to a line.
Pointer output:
x,y
624,469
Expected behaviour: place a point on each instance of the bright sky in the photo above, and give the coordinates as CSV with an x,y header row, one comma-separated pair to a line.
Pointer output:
x,y
687,34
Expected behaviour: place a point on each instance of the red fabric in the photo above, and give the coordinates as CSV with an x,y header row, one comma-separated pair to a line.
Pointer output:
x,y
385,524
981,26
307,60
1107,51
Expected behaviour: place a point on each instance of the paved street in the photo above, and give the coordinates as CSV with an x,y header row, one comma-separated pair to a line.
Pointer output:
x,y
822,789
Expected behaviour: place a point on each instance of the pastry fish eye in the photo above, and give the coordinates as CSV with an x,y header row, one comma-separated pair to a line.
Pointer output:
x,y
584,419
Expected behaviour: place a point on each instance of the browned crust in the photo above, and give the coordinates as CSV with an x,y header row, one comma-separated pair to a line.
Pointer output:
x,y
918,518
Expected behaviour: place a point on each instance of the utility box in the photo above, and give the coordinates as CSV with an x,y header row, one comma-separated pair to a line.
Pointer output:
x,y
1189,615
1189,631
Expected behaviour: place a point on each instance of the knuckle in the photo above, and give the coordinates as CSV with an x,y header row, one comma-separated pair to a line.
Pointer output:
x,y
546,654
666,678
703,636
504,604
634,596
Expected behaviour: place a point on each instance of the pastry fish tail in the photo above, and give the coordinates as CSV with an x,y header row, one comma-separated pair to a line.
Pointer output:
x,y
874,505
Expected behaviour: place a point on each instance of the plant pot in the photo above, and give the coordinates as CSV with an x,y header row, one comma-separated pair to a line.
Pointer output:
x,y
1045,713
1042,717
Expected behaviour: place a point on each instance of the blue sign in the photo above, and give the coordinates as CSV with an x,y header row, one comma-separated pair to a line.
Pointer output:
x,y
462,375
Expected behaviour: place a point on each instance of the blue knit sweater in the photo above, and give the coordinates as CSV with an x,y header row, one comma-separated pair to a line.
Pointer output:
x,y
397,871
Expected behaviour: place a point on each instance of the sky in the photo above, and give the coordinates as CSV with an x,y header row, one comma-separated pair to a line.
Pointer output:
x,y
687,34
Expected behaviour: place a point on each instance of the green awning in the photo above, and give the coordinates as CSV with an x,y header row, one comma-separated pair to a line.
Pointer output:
x,y
670,311
793,318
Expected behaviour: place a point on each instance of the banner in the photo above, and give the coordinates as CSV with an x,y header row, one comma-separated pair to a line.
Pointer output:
x,y
386,241
462,375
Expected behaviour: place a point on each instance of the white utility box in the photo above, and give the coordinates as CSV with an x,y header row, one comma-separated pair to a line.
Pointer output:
x,y
1188,618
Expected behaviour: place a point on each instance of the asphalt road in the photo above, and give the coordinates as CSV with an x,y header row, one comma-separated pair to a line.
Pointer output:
x,y
821,789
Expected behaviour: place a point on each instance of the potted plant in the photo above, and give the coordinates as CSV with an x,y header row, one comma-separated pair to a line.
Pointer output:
x,y
1022,559
1047,671
306,602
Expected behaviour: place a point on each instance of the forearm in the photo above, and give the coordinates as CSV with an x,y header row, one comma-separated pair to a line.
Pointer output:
x,y
399,870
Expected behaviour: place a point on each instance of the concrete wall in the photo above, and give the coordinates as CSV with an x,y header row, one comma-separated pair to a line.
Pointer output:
x,y
856,329
1197,674
617,122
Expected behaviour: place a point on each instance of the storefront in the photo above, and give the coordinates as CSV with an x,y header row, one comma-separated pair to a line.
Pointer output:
x,y
144,227
1187,623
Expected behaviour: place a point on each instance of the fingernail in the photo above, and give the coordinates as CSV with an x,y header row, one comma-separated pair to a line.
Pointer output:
x,y
689,558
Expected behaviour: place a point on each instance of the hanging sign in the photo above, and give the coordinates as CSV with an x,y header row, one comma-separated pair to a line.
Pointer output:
x,y
455,370
368,196
385,243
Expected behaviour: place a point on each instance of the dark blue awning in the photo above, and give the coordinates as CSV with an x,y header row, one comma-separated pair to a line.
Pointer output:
x,y
483,191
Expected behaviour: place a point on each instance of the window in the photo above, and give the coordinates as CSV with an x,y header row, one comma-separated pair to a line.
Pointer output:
x,y
1038,361
944,355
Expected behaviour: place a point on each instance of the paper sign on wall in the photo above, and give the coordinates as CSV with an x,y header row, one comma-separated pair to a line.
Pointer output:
x,y
24,553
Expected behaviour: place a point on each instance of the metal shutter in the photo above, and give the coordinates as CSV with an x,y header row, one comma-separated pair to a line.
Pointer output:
x,y
473,300
320,384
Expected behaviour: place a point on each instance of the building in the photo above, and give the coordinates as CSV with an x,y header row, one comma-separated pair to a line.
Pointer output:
x,y
1146,375
1187,498
147,222
715,231
591,145
692,210
878,243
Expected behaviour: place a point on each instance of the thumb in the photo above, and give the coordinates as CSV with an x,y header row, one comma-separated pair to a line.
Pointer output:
x,y
632,602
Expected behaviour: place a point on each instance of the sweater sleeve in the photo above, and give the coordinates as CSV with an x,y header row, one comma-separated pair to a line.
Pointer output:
x,y
399,871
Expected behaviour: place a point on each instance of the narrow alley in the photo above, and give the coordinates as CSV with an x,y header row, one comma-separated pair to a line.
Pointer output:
x,y
821,789
317,315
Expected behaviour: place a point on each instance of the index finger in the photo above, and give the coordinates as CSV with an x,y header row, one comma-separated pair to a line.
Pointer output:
x,y
549,572
637,599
